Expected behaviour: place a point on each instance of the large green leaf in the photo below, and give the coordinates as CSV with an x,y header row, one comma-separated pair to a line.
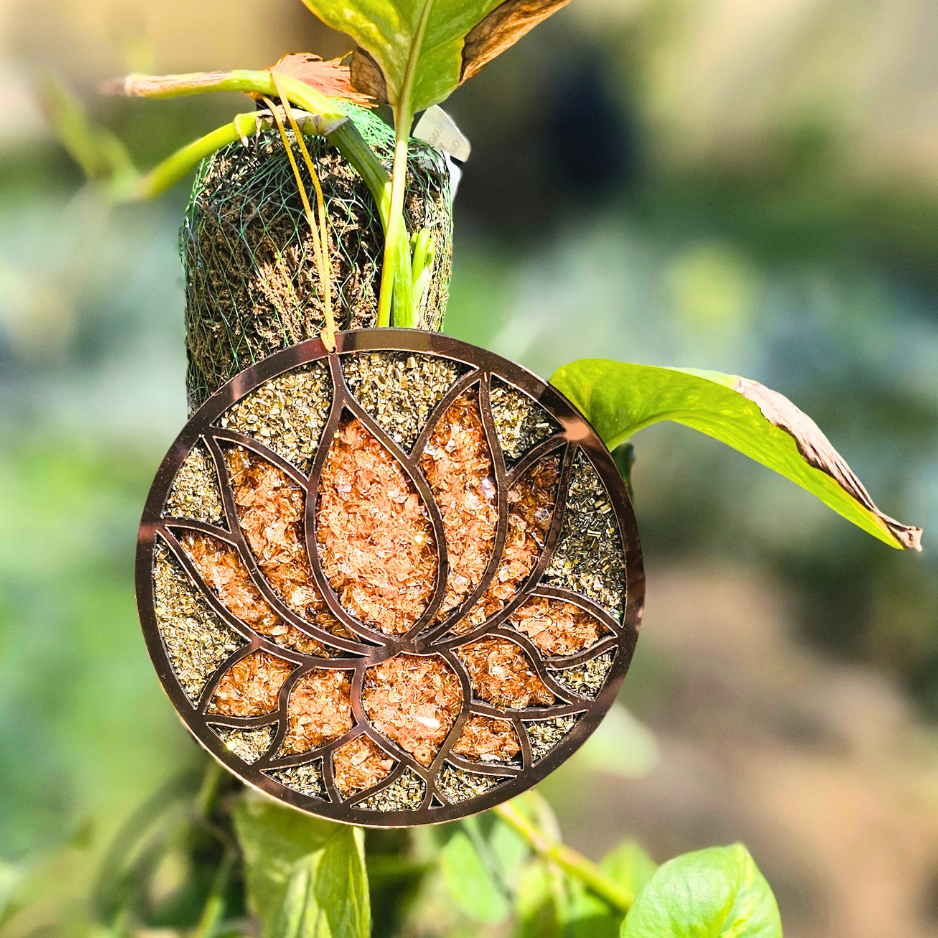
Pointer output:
x,y
715,893
342,885
470,883
619,399
305,877
415,52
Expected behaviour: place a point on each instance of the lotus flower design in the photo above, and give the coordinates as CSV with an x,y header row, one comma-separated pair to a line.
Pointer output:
x,y
392,585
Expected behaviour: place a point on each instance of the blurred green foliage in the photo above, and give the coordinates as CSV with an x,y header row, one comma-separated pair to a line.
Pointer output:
x,y
575,238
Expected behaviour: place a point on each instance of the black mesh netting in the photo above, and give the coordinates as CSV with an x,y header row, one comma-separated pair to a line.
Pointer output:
x,y
251,282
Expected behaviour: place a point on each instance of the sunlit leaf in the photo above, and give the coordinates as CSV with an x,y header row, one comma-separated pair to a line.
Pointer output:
x,y
342,885
415,52
302,873
508,849
715,893
469,882
299,914
535,905
331,78
619,399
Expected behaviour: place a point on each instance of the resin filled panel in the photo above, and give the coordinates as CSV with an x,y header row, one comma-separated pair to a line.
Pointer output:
x,y
587,679
251,687
319,711
546,735
399,389
224,572
520,422
485,739
531,504
286,414
589,558
247,744
557,627
374,536
502,675
195,493
271,508
404,794
360,764
306,779
413,701
458,785
196,640
457,464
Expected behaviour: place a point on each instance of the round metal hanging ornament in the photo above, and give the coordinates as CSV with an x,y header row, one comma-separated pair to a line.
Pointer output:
x,y
393,585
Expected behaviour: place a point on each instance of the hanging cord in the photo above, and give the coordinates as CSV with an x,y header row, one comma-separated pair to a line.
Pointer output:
x,y
319,230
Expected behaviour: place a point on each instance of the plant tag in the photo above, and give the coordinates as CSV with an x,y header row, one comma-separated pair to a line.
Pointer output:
x,y
438,129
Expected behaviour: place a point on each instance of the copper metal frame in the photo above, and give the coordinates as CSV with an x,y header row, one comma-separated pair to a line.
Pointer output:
x,y
373,646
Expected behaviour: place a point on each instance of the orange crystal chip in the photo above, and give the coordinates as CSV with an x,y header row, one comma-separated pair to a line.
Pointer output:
x,y
270,509
485,739
375,538
457,465
251,687
413,700
530,509
502,674
359,764
557,627
319,710
224,571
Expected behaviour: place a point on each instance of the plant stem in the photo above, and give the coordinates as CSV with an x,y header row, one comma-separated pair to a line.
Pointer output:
x,y
569,860
396,233
209,790
214,908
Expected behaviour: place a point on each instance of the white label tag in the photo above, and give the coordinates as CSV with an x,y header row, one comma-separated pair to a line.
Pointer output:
x,y
438,129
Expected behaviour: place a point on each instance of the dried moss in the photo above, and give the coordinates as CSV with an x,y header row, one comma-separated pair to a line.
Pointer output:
x,y
458,785
586,679
399,389
589,558
546,735
195,493
287,413
405,793
306,779
520,421
251,282
197,640
246,743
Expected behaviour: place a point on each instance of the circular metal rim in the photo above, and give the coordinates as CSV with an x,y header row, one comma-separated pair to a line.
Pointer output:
x,y
576,429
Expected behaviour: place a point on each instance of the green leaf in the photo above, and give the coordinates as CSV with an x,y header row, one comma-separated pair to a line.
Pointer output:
x,y
715,893
619,399
299,914
342,885
413,53
629,866
509,851
305,877
469,883
535,903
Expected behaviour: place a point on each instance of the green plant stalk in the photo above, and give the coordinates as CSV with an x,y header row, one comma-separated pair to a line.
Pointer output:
x,y
395,231
214,908
570,861
396,238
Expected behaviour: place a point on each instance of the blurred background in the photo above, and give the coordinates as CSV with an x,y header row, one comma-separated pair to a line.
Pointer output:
x,y
748,187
